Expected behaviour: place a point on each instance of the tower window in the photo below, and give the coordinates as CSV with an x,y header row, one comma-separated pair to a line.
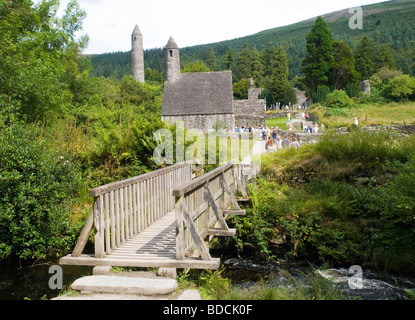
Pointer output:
x,y
135,38
171,53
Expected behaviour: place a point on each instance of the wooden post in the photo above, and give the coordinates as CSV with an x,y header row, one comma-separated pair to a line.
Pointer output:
x,y
99,227
180,245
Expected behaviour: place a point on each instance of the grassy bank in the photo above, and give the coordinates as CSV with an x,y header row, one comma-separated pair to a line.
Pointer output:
x,y
347,199
213,286
385,114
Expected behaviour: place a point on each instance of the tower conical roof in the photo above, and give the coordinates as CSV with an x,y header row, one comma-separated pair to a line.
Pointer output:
x,y
137,31
171,44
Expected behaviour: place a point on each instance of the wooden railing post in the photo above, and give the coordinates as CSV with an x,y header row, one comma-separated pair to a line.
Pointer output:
x,y
180,245
99,226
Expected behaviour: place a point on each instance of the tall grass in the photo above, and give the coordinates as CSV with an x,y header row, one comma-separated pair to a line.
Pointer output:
x,y
213,286
367,146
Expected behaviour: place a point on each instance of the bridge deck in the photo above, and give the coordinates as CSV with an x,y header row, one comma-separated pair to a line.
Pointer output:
x,y
153,247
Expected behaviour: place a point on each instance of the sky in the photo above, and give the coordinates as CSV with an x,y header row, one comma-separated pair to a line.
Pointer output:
x,y
109,23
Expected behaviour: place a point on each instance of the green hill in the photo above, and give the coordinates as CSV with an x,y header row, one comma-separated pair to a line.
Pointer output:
x,y
387,22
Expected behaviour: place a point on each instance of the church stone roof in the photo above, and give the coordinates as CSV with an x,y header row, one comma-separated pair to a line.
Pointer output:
x,y
137,31
171,44
199,93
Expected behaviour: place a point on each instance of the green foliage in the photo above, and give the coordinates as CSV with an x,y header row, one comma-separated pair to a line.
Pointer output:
x,y
197,66
400,88
240,89
354,203
213,286
344,72
37,186
34,58
320,94
338,99
100,129
365,56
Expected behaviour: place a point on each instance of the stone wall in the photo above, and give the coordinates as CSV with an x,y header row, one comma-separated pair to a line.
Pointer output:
x,y
250,112
303,138
399,128
280,114
204,122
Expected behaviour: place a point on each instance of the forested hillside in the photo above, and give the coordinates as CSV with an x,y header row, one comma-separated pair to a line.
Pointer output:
x,y
384,23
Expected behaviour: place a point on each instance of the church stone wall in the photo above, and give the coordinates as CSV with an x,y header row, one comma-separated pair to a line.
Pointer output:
x,y
250,112
204,122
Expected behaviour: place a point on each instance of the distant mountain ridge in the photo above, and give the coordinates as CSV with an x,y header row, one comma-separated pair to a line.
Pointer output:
x,y
386,22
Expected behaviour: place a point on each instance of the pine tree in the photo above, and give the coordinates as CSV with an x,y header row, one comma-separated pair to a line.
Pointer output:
x,y
344,72
319,60
212,62
365,57
257,67
276,73
229,60
243,63
384,58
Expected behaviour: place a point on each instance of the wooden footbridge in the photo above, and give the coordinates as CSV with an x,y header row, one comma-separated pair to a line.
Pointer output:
x,y
162,219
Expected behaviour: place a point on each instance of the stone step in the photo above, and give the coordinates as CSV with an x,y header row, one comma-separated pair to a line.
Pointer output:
x,y
124,285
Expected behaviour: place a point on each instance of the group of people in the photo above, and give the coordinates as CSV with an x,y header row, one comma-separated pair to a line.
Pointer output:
x,y
274,142
311,129
273,145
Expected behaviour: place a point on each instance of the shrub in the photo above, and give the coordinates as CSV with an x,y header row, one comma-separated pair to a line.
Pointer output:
x,y
399,88
320,94
36,184
338,99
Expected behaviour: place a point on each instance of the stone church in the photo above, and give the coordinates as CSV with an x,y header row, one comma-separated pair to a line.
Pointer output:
x,y
202,100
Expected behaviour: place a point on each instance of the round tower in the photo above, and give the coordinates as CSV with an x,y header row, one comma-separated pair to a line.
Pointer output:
x,y
137,54
172,60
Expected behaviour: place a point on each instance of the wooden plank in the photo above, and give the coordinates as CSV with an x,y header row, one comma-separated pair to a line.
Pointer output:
x,y
218,213
198,241
189,263
229,212
240,199
83,237
221,233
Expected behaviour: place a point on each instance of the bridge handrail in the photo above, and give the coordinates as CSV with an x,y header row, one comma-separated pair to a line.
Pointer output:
x,y
191,185
121,184
200,206
123,209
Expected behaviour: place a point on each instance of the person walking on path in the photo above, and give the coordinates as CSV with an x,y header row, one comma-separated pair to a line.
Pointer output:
x,y
294,143
270,146
278,143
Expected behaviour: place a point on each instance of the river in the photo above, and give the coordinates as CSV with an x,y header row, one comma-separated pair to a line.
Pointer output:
x,y
32,282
